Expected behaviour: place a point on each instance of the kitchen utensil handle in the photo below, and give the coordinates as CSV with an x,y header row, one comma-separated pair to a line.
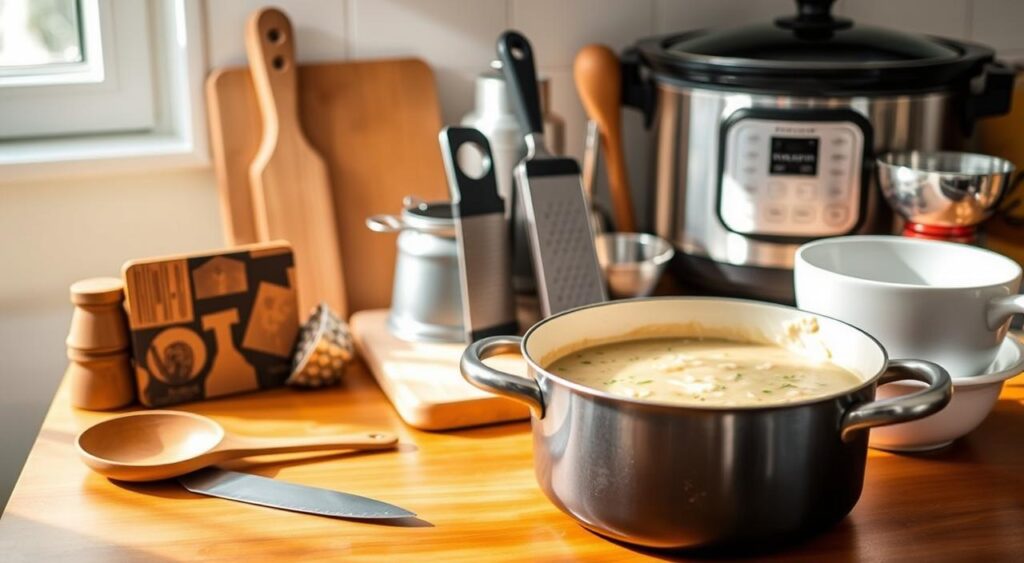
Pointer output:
x,y
904,408
1001,309
598,77
521,77
384,224
270,46
470,196
522,389
238,446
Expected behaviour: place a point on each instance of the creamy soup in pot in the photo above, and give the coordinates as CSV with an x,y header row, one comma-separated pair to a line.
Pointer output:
x,y
703,371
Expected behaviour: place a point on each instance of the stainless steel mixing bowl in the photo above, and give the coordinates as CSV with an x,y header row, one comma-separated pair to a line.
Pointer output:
x,y
632,262
943,189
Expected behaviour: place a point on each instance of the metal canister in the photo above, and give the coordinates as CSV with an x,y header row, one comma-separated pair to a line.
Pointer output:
x,y
426,302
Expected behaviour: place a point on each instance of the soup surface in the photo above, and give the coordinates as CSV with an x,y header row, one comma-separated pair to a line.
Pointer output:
x,y
708,371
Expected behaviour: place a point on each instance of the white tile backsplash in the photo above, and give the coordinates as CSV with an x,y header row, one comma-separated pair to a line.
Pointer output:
x,y
319,29
948,18
457,37
446,33
456,90
557,29
999,23
677,15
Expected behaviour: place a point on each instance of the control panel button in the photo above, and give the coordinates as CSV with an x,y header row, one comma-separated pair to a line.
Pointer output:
x,y
805,190
836,215
835,191
780,181
773,213
777,190
803,214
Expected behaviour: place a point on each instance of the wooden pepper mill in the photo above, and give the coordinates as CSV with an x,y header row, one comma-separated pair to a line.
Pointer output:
x,y
98,347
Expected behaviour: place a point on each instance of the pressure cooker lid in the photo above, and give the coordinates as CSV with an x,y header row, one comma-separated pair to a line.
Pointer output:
x,y
815,50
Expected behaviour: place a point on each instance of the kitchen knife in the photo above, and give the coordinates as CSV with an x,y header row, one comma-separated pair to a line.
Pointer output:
x,y
263,491
557,213
482,233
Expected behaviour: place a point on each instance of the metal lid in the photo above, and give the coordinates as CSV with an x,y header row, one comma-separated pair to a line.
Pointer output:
x,y
428,217
813,51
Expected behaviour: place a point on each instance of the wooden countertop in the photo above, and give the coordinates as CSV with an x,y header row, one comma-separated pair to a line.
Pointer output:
x,y
475,495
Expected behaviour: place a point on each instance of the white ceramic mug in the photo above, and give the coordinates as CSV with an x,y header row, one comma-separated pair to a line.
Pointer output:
x,y
944,302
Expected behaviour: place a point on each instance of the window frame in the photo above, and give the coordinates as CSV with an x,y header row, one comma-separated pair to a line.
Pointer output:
x,y
176,137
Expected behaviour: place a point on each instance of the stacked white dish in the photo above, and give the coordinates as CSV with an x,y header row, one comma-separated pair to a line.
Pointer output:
x,y
945,302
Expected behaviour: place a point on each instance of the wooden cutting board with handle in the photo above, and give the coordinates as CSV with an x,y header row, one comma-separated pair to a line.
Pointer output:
x,y
375,124
291,193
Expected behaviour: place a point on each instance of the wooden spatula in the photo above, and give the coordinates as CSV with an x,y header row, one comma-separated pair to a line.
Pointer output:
x,y
599,81
291,192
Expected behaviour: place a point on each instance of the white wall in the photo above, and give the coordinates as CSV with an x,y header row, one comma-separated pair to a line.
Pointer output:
x,y
54,232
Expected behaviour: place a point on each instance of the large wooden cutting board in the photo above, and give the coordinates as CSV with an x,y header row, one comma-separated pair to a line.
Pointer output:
x,y
375,123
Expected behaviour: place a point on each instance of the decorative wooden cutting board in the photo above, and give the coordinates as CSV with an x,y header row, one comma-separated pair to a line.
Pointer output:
x,y
423,382
375,123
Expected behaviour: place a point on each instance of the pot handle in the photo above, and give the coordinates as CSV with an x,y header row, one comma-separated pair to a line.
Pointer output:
x,y
522,389
384,223
904,408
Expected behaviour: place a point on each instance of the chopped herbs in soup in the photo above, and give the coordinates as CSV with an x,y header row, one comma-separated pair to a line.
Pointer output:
x,y
694,371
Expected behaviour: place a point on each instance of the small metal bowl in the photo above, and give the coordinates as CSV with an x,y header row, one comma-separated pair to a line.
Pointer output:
x,y
632,262
944,189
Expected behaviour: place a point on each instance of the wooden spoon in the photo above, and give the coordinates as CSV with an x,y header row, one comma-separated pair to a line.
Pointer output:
x,y
291,191
153,445
599,82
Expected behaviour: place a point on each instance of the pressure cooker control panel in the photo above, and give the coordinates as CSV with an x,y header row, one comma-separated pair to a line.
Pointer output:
x,y
787,178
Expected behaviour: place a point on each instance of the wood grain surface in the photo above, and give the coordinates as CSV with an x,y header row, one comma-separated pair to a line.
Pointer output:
x,y
374,122
475,496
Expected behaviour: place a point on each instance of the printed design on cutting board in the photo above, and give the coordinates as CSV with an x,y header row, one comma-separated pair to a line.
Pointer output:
x,y
219,276
209,326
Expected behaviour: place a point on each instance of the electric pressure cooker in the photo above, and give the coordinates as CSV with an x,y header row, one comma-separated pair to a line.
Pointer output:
x,y
766,134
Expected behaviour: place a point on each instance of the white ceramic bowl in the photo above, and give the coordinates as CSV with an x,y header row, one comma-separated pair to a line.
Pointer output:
x,y
973,399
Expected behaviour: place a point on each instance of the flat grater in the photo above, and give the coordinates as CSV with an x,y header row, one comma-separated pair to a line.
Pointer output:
x,y
557,212
482,232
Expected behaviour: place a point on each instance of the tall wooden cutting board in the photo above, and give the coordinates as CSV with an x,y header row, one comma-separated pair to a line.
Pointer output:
x,y
291,193
375,123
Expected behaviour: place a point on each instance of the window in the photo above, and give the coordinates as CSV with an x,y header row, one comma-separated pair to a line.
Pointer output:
x,y
88,80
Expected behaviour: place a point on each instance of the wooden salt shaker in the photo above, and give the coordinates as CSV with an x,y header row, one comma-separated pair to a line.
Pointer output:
x,y
99,371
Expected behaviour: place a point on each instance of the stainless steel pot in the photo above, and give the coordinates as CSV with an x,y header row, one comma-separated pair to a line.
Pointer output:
x,y
671,476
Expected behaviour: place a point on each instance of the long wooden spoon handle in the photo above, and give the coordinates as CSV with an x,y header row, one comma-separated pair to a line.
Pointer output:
x,y
270,45
599,82
237,446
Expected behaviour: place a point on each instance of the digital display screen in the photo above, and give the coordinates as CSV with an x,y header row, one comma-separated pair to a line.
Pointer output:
x,y
794,155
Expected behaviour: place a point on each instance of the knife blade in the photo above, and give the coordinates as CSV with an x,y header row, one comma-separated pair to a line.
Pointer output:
x,y
263,491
